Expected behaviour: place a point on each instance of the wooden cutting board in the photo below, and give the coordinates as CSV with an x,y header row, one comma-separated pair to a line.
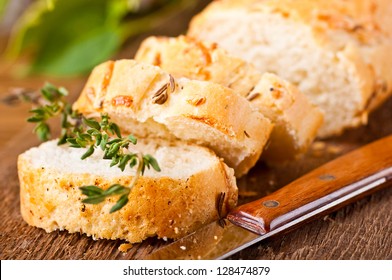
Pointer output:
x,y
362,230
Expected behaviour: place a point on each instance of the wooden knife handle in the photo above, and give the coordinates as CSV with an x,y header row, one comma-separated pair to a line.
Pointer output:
x,y
324,189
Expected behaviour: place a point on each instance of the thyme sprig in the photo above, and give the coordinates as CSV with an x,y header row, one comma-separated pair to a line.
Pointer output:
x,y
97,195
51,104
98,135
91,134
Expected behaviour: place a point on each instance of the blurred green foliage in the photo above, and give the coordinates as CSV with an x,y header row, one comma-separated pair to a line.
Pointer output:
x,y
70,37
3,4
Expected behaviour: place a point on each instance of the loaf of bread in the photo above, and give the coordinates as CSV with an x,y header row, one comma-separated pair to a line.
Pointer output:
x,y
166,204
337,52
149,103
295,119
207,112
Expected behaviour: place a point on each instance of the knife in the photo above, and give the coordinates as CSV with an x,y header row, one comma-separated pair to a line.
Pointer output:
x,y
320,192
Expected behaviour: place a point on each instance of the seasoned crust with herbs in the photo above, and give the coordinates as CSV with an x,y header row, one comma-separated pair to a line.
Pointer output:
x,y
336,52
296,121
148,102
167,204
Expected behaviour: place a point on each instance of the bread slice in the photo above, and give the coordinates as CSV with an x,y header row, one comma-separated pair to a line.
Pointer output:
x,y
166,204
148,102
338,53
295,119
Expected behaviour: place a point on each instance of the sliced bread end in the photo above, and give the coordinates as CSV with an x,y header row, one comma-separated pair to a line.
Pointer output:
x,y
169,204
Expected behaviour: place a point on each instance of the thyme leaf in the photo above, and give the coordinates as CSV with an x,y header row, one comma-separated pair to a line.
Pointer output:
x,y
80,132
96,195
53,104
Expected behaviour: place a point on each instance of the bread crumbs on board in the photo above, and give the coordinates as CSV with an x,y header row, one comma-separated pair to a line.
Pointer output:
x,y
125,247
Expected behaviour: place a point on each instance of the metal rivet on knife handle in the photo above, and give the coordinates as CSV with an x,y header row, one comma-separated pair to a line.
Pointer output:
x,y
271,203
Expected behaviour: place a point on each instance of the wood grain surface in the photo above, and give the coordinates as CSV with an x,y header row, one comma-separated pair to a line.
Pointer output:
x,y
362,230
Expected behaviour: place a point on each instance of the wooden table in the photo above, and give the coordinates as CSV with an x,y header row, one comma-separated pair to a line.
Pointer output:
x,y
362,230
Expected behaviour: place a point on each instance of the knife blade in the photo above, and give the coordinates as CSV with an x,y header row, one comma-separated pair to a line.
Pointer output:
x,y
320,192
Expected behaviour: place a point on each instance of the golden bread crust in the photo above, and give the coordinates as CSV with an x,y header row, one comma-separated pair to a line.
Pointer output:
x,y
200,112
296,120
163,207
357,33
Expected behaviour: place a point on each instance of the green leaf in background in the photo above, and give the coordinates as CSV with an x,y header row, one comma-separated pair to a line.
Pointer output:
x,y
3,5
70,37
78,57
